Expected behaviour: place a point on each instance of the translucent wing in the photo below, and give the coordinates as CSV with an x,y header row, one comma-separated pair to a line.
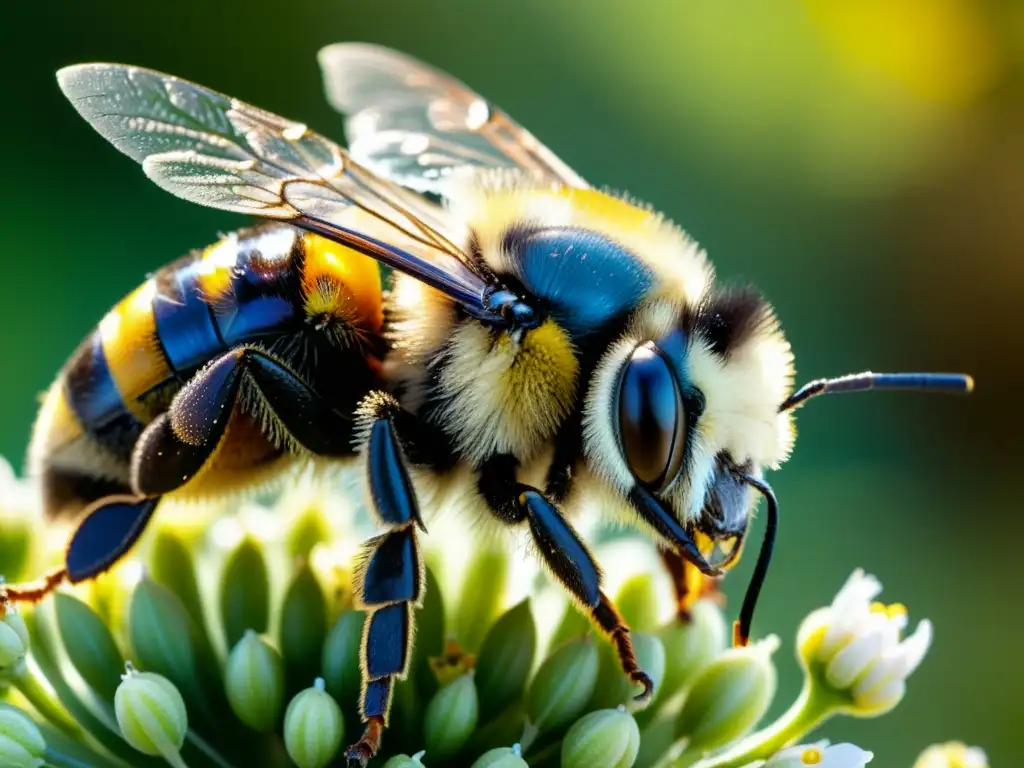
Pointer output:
x,y
417,126
217,151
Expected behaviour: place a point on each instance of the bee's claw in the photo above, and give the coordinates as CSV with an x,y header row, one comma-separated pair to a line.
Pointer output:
x,y
645,680
360,753
357,756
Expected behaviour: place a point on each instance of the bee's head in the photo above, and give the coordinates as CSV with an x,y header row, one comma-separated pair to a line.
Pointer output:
x,y
683,412
688,407
686,401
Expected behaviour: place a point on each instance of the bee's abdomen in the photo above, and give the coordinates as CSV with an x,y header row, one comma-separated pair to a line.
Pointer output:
x,y
270,286
240,290
116,364
96,400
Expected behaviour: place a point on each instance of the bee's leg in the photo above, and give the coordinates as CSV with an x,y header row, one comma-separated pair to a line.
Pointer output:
x,y
112,525
178,444
175,447
278,395
390,581
169,452
110,528
573,565
564,553
161,462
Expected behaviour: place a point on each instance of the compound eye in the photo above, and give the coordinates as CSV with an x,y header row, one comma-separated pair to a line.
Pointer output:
x,y
652,418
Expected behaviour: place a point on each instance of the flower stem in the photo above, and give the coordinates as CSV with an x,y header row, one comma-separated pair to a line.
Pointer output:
x,y
40,697
814,705
203,746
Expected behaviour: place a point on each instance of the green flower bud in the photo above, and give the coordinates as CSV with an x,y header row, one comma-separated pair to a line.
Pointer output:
x,y
340,659
502,757
608,738
14,639
21,743
89,644
303,627
151,714
404,761
572,626
451,717
159,630
506,659
313,727
563,685
171,565
637,602
613,688
245,592
729,696
690,646
657,737
309,527
254,681
483,591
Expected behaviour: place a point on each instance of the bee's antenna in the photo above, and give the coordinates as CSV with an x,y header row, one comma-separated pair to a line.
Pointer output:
x,y
741,628
954,383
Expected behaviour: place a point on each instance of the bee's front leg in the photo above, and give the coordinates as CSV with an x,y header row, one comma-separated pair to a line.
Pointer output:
x,y
565,554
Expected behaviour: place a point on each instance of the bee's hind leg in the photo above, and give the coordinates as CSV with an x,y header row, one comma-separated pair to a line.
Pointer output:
x,y
565,555
110,528
162,461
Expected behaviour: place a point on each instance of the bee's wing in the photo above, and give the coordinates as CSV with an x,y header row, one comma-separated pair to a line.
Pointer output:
x,y
417,126
217,151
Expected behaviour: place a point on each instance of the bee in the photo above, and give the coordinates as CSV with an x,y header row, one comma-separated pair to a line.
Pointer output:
x,y
545,344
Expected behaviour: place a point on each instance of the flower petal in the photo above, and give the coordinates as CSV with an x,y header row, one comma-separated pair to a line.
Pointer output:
x,y
917,645
845,756
881,672
851,661
883,698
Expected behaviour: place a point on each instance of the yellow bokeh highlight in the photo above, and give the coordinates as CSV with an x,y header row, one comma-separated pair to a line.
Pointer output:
x,y
941,51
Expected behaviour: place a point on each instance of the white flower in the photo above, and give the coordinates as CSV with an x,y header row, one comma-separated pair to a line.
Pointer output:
x,y
821,755
854,646
954,754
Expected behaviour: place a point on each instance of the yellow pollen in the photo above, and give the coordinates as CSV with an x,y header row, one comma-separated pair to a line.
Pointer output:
x,y
897,609
892,611
811,756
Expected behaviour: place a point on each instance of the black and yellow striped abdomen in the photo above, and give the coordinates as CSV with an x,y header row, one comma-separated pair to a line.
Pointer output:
x,y
316,304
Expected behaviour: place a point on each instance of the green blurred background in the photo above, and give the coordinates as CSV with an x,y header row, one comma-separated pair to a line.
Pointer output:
x,y
862,161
